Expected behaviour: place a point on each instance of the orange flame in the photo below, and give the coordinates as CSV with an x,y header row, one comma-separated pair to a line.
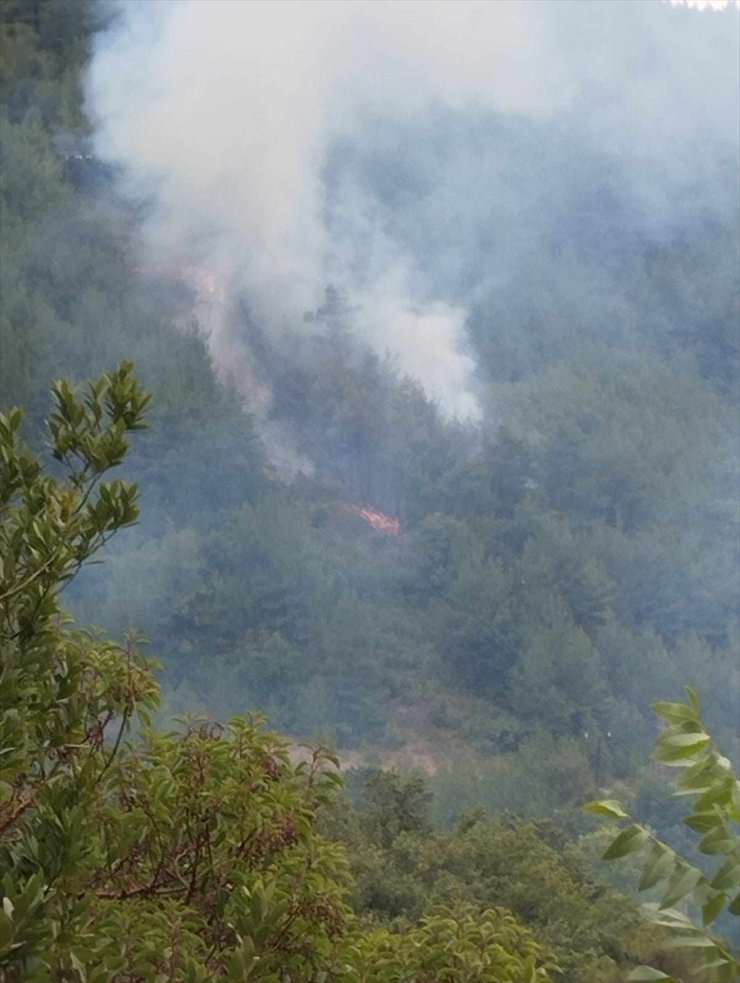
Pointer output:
x,y
378,520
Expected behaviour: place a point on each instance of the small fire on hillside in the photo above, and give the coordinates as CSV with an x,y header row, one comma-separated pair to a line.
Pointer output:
x,y
378,520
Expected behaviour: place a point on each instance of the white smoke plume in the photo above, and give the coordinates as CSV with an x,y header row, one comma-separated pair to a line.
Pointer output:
x,y
221,114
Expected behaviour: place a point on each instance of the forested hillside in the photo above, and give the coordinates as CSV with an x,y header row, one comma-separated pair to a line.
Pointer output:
x,y
206,853
485,604
555,567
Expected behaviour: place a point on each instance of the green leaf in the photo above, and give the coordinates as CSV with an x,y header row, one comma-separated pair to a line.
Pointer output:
x,y
701,822
698,777
6,932
717,840
678,747
690,942
607,807
645,974
735,800
683,880
713,908
630,839
670,918
728,876
693,698
719,794
77,964
675,713
659,865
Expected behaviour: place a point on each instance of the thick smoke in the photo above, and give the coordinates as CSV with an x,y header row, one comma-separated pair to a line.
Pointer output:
x,y
223,116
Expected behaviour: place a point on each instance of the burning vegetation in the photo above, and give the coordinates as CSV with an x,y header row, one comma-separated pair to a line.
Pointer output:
x,y
378,520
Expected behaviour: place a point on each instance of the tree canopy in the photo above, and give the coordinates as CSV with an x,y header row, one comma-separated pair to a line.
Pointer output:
x,y
134,854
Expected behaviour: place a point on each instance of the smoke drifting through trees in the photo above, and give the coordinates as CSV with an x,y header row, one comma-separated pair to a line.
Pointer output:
x,y
553,574
290,146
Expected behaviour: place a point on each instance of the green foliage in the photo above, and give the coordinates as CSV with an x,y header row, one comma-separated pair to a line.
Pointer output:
x,y
394,805
599,457
715,815
129,854
560,564
63,690
461,945
108,845
570,556
52,525
531,868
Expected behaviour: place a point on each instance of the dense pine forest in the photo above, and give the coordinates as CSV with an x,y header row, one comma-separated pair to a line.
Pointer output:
x,y
473,611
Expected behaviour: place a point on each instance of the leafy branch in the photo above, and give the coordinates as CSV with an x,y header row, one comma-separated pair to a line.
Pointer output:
x,y
707,776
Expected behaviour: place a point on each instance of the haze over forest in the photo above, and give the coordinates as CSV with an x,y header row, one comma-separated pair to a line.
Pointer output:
x,y
477,274
439,313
